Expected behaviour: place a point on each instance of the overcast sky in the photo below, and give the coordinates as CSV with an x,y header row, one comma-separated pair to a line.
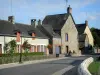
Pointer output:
x,y
24,10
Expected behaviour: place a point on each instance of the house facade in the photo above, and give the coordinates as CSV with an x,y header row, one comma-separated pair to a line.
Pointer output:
x,y
69,37
22,32
86,41
73,36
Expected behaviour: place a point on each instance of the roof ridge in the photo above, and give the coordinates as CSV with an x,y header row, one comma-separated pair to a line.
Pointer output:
x,y
57,14
80,24
23,24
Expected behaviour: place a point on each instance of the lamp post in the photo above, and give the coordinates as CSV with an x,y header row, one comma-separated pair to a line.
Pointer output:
x,y
20,60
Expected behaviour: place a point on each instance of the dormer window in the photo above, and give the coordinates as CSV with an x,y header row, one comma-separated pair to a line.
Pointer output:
x,y
32,33
66,36
18,37
33,36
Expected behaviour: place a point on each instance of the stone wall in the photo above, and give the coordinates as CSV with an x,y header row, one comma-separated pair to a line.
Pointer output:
x,y
83,67
72,43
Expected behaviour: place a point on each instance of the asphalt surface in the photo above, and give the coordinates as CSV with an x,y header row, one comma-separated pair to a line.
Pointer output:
x,y
46,68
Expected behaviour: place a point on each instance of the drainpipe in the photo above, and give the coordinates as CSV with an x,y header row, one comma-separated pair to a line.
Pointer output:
x,y
4,44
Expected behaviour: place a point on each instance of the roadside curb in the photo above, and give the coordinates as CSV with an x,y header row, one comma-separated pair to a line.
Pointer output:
x,y
3,66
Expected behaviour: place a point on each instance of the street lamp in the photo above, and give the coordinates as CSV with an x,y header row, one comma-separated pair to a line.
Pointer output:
x,y
20,60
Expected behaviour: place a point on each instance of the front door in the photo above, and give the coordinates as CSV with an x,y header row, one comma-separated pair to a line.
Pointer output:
x,y
67,50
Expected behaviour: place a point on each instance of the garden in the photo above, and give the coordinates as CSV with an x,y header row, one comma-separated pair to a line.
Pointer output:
x,y
10,55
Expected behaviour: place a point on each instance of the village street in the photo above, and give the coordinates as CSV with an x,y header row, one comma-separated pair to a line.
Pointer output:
x,y
46,68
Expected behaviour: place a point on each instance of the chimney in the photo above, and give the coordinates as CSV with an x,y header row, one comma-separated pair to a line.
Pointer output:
x,y
33,22
11,19
39,22
69,10
86,22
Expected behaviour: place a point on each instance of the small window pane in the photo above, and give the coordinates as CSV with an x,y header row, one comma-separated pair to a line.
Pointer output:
x,y
66,37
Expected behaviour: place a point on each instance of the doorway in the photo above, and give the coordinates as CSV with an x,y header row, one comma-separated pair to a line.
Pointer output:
x,y
59,49
67,49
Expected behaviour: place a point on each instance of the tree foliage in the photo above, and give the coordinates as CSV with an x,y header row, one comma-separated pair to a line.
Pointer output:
x,y
6,48
96,36
26,46
12,45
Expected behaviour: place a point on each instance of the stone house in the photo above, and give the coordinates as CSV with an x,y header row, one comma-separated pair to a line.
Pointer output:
x,y
85,37
72,35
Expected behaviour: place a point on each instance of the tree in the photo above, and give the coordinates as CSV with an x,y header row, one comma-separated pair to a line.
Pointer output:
x,y
26,46
96,36
12,44
6,48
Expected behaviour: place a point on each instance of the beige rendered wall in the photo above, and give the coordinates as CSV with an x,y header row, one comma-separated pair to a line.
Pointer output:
x,y
56,42
89,34
36,42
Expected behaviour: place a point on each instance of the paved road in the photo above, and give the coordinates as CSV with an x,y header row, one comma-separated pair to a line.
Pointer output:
x,y
46,68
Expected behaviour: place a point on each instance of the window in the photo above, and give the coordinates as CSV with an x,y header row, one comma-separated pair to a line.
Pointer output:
x,y
66,37
42,48
38,48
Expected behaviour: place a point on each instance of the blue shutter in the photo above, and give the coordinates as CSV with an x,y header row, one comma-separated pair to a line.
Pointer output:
x,y
57,50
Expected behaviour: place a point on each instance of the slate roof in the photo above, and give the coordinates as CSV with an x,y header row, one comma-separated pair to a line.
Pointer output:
x,y
82,37
56,21
48,30
7,28
80,28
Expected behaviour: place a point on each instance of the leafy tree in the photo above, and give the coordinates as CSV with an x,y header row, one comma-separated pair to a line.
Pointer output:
x,y
6,48
96,36
12,45
26,46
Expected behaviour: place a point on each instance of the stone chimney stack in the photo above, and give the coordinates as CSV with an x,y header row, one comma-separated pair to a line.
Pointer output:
x,y
11,19
33,22
69,10
39,22
86,22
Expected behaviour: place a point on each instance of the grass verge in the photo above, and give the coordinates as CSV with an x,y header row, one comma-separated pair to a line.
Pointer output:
x,y
94,67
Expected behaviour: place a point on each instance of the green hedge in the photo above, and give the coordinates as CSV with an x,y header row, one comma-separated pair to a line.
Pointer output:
x,y
5,59
23,54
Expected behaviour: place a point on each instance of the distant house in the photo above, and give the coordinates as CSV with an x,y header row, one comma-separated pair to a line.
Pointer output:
x,y
72,35
85,37
10,30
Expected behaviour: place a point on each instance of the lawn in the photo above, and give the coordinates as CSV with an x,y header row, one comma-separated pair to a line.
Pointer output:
x,y
94,67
